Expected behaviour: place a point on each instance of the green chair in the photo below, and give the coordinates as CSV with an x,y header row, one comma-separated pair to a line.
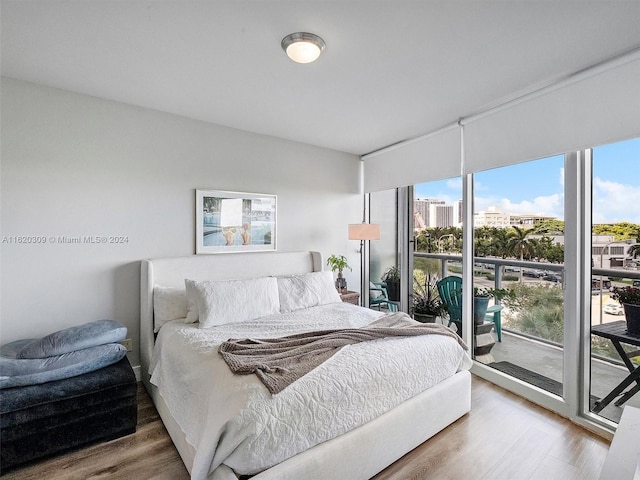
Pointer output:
x,y
378,296
450,290
493,315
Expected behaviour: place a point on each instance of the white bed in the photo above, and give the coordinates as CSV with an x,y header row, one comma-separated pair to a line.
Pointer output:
x,y
365,441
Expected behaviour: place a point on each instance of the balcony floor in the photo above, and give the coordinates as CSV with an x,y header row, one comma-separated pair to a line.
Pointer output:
x,y
546,360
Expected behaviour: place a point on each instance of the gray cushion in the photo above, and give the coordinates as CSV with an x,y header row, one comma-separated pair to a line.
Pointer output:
x,y
16,372
74,338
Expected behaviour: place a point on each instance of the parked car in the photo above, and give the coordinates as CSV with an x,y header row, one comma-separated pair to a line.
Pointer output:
x,y
613,308
636,283
606,284
552,277
532,273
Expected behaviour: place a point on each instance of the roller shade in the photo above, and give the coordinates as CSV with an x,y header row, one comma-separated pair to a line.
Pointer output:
x,y
432,157
596,109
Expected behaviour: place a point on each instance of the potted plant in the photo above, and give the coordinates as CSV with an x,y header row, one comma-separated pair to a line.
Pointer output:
x,y
629,297
481,296
339,263
391,277
427,304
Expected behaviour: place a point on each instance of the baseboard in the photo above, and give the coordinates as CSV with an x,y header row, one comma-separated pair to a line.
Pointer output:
x,y
136,371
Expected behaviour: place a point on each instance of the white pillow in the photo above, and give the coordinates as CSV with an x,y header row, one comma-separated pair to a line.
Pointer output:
x,y
168,304
374,294
235,301
308,290
192,303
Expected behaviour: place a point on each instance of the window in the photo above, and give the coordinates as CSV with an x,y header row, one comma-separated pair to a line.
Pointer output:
x,y
615,236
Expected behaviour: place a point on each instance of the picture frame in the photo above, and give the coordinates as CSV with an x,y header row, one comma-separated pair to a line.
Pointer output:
x,y
228,222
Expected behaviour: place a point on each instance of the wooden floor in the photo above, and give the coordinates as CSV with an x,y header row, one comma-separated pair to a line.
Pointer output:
x,y
504,437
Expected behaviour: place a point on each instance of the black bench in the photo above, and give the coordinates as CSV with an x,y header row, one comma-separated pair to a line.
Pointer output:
x,y
39,421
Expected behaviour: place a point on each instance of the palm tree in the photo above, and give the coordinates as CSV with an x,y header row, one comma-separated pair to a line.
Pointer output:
x,y
498,242
518,243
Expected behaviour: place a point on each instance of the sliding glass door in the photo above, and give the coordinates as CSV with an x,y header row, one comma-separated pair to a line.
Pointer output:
x,y
519,239
615,270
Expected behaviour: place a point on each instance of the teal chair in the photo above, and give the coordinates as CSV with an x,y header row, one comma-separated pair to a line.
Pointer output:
x,y
493,315
378,296
450,290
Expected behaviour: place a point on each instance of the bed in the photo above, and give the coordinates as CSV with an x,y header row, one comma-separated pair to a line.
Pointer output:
x,y
329,424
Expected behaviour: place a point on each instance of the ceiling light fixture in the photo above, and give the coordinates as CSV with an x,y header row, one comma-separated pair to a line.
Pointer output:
x,y
303,47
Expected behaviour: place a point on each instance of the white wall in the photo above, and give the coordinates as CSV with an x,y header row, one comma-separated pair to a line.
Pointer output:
x,y
75,165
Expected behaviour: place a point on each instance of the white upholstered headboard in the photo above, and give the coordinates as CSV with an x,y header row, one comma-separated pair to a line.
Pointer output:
x,y
171,272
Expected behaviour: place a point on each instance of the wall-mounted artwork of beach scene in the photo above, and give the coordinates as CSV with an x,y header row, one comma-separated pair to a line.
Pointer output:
x,y
228,222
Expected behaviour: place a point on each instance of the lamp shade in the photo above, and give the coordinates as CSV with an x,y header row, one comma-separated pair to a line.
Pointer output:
x,y
364,231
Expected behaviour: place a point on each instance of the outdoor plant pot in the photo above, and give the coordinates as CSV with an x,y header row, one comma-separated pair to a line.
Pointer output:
x,y
480,305
393,291
424,317
632,314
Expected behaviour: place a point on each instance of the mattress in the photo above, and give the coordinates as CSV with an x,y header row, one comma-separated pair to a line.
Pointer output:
x,y
233,420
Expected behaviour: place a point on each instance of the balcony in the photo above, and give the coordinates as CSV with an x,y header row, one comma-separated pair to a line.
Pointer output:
x,y
532,330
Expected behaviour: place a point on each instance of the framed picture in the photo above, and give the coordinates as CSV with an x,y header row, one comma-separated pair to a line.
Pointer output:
x,y
228,222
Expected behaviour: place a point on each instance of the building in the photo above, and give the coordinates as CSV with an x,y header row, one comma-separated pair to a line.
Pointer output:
x,y
492,217
440,215
423,207
608,253
527,221
458,213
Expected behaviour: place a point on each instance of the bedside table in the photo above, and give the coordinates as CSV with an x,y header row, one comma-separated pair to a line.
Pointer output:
x,y
348,296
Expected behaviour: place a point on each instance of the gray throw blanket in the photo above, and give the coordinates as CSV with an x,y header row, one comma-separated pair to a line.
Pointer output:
x,y
278,362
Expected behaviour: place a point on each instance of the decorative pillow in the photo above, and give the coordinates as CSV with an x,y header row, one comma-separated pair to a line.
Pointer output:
x,y
373,294
377,293
308,290
168,304
235,301
16,372
192,302
75,338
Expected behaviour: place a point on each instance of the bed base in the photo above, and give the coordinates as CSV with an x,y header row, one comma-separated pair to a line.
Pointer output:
x,y
360,453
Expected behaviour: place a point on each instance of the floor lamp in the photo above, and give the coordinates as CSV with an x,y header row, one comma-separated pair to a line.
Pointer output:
x,y
362,232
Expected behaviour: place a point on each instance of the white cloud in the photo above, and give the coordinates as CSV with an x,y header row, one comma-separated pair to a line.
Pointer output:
x,y
615,202
455,184
550,205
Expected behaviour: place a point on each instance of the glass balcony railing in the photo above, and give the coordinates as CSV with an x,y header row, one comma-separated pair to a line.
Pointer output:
x,y
533,320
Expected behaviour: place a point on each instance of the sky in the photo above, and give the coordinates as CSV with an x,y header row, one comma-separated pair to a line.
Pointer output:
x,y
537,187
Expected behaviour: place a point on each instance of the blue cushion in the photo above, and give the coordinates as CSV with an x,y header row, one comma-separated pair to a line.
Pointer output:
x,y
74,338
16,372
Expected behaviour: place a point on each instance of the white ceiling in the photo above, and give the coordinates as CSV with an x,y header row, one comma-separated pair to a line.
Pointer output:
x,y
391,70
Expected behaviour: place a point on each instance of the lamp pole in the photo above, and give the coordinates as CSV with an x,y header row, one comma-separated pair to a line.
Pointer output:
x,y
440,247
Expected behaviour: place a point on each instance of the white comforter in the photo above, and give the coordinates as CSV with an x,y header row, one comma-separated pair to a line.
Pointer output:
x,y
233,420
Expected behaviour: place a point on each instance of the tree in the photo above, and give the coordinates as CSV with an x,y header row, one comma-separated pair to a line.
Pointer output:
x,y
620,231
549,227
500,242
555,254
518,244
